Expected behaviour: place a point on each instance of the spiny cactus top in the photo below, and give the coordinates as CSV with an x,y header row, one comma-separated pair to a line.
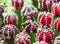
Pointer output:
x,y
11,18
45,34
9,31
22,39
44,18
29,10
57,24
17,3
30,27
45,3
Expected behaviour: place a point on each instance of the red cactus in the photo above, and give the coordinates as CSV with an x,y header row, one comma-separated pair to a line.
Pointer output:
x,y
22,39
57,24
17,3
9,31
45,3
30,27
45,35
11,19
44,18
56,9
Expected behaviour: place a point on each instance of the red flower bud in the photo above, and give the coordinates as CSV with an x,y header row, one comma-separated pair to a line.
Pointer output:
x,y
44,18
